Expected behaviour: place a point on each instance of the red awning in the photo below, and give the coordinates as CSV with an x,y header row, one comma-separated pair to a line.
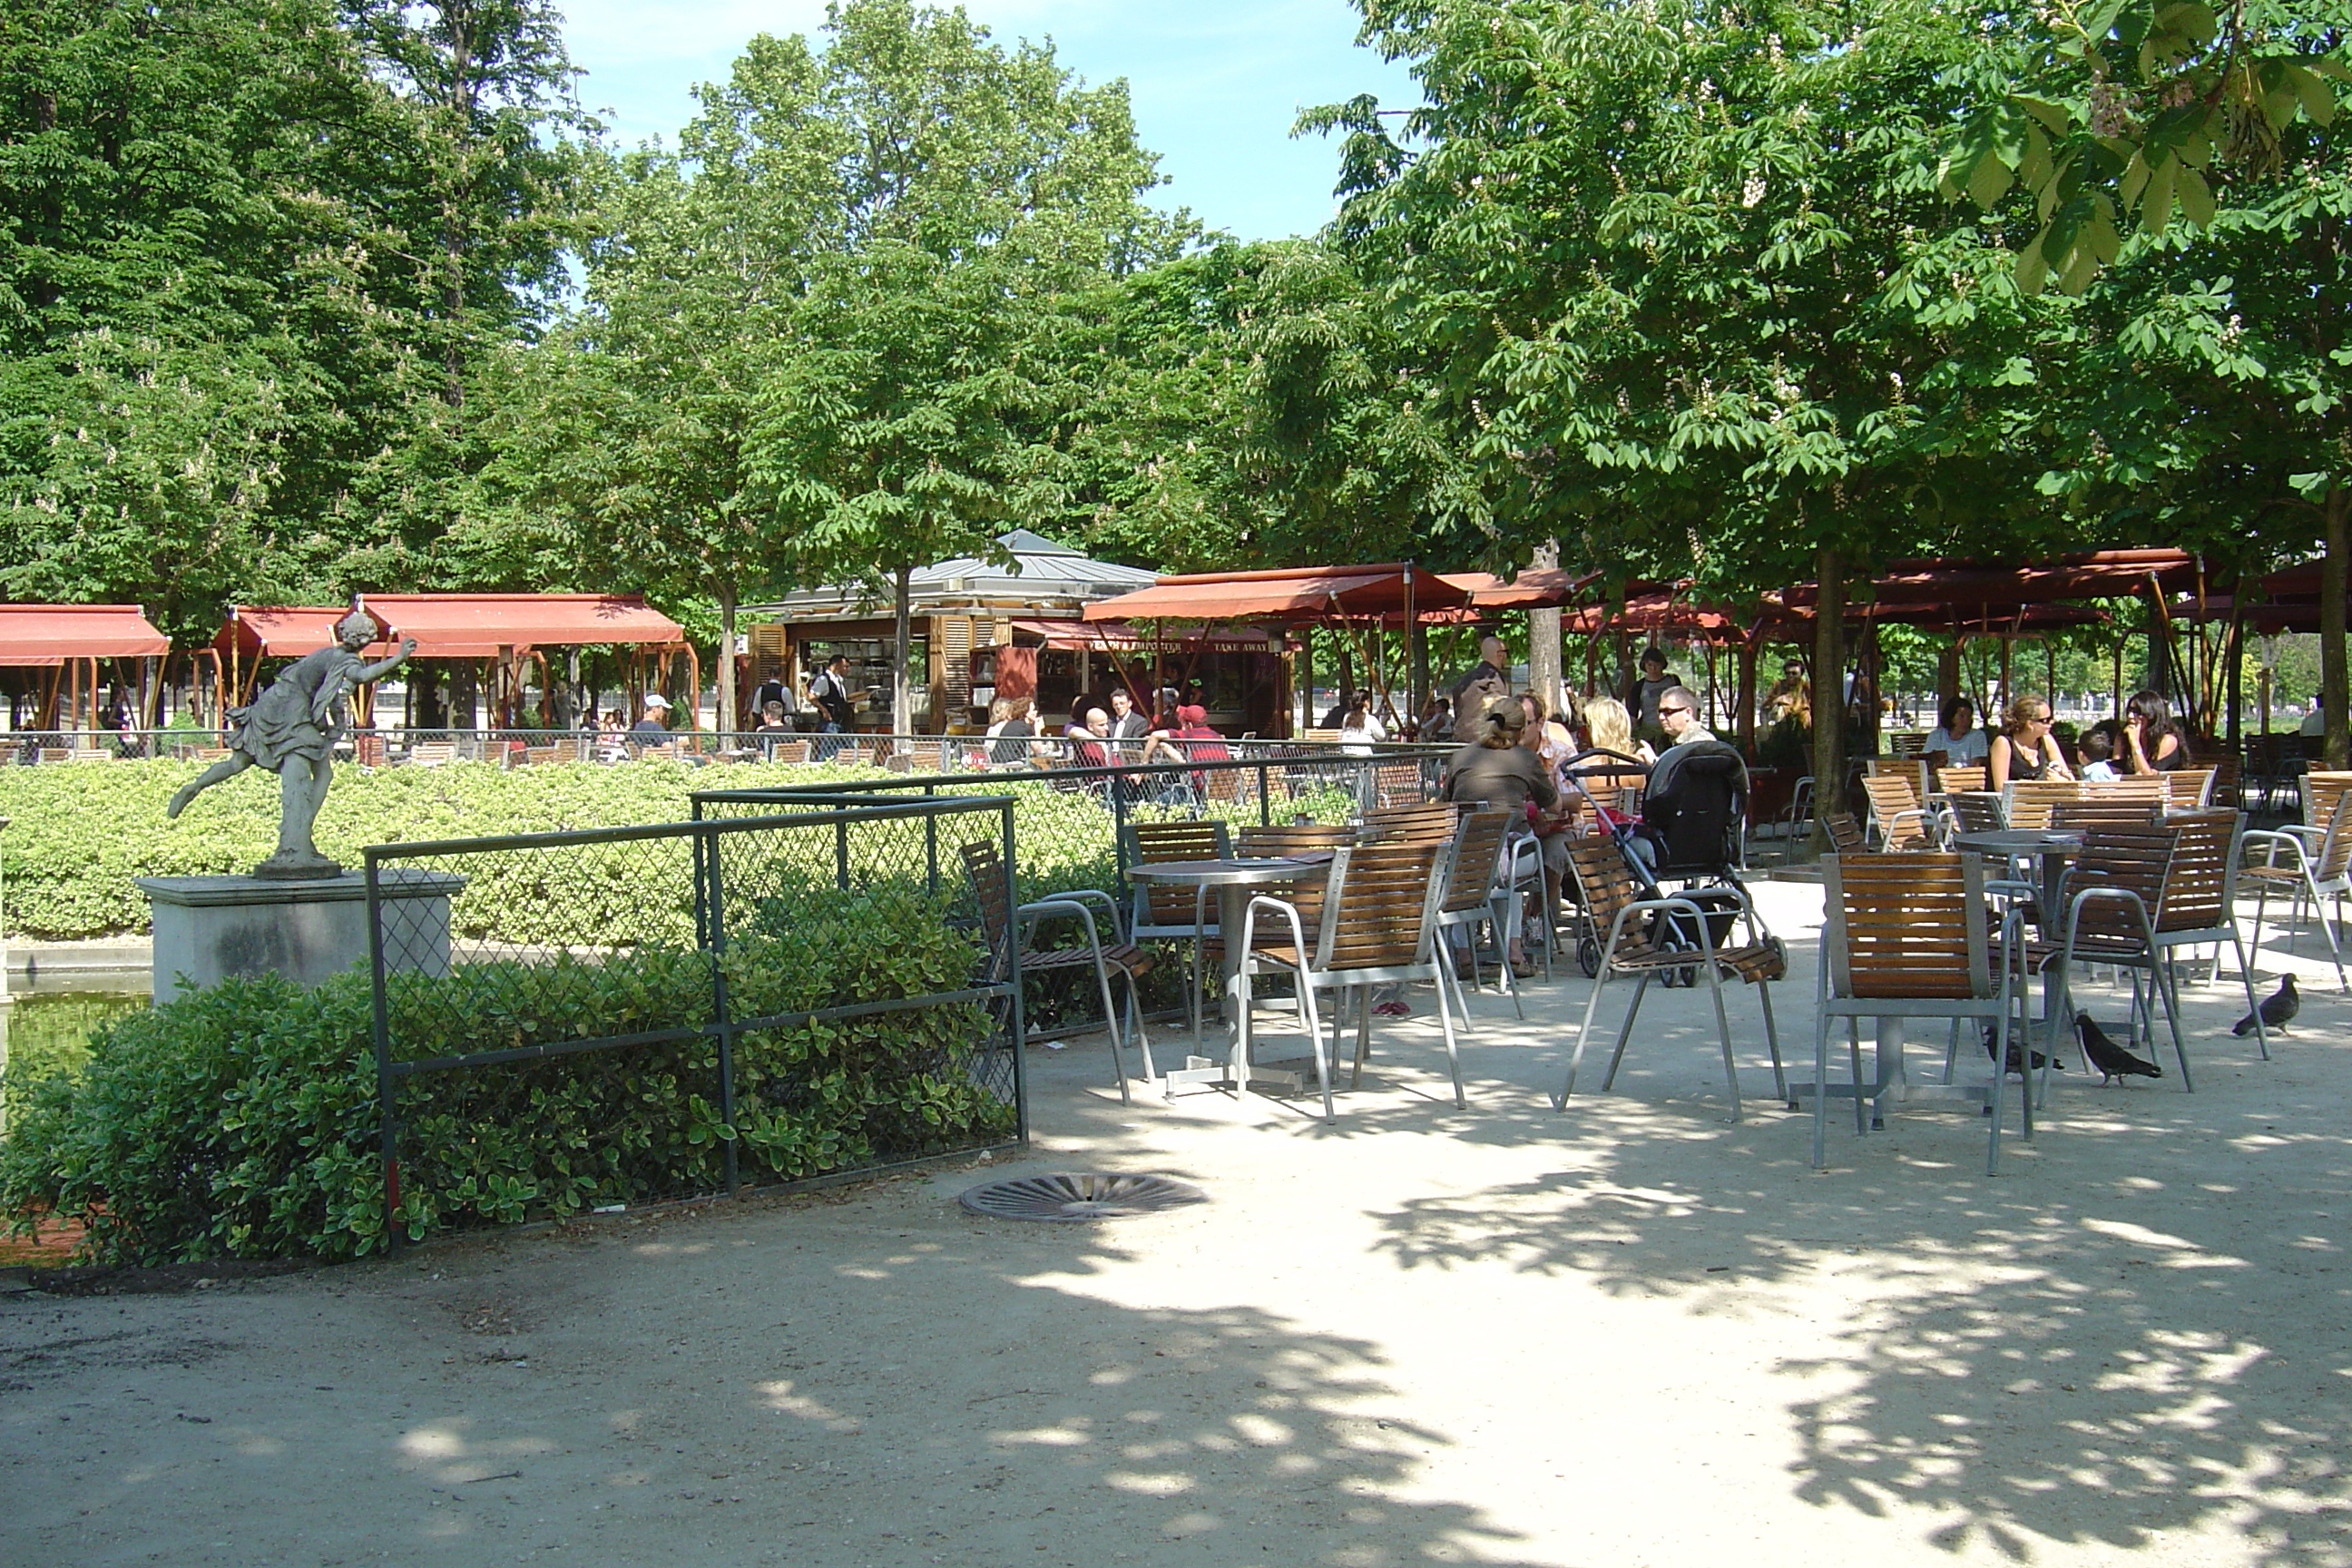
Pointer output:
x,y
1285,595
1117,636
282,631
2088,575
1536,588
52,634
477,625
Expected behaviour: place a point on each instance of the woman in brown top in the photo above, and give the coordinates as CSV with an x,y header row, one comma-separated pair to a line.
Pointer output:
x,y
1498,773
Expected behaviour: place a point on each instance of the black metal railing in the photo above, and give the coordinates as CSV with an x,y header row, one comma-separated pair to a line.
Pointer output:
x,y
569,1021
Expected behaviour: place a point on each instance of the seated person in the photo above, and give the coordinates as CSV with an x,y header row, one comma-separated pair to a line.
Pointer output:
x,y
2097,749
1496,773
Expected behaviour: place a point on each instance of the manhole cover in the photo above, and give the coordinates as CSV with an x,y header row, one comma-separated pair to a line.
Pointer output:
x,y
1091,1196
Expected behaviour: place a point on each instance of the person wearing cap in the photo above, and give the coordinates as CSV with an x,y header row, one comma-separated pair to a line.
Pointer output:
x,y
652,730
1497,773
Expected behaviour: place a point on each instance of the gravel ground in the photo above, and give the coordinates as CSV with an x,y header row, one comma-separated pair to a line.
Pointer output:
x,y
1631,1334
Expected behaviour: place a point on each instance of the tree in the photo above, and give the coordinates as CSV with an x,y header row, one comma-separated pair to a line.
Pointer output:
x,y
1686,286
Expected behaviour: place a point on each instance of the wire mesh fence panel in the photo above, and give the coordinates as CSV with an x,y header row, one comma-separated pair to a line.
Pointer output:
x,y
577,1020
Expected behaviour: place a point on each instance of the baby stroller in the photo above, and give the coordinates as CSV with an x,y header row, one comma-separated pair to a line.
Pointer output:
x,y
1692,832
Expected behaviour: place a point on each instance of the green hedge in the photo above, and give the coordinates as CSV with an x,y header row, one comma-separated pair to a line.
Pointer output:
x,y
241,1121
81,833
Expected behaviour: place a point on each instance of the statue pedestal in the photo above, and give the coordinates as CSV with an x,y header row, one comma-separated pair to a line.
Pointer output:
x,y
209,929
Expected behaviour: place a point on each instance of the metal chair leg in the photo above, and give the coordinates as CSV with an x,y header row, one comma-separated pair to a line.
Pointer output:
x,y
1575,1058
1625,1032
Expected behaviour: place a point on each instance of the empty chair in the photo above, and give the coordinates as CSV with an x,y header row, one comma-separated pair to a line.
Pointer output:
x,y
1377,926
2322,872
1163,911
1974,777
2188,789
1631,927
2101,810
1007,927
1846,836
1905,937
1895,807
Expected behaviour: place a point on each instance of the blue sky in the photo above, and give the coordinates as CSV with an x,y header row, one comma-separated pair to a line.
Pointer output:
x,y
1216,83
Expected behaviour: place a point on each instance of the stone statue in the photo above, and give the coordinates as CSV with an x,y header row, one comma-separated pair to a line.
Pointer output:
x,y
292,730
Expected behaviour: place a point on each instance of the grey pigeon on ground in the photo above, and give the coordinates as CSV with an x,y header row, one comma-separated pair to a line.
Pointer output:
x,y
2278,1009
2015,1058
2115,1062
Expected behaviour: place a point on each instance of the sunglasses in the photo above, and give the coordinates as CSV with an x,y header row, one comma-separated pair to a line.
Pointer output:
x,y
1663,711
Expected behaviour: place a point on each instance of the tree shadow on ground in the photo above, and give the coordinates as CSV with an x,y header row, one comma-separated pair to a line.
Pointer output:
x,y
2094,1348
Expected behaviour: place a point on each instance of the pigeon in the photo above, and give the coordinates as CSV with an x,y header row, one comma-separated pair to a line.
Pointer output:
x,y
2278,1009
2013,1059
2114,1061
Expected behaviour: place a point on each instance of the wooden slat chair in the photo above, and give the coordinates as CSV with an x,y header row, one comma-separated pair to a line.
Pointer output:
x,y
1611,898
2189,788
433,753
2101,809
1895,807
790,752
1399,783
1165,913
1472,898
1974,777
1378,927
2320,789
2228,786
1419,822
2152,791
89,754
1007,927
2136,895
1905,938
2026,803
1846,836
2321,873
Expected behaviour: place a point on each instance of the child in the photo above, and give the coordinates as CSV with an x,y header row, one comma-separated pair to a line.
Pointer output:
x,y
2098,749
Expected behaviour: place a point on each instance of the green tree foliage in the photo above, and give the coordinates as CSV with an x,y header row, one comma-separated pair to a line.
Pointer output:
x,y
2111,113
227,295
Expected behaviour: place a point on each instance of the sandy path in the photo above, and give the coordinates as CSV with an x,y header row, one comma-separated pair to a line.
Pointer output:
x,y
1633,1334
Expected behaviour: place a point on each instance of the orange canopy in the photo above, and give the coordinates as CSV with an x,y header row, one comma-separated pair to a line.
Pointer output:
x,y
1285,595
48,635
280,631
477,625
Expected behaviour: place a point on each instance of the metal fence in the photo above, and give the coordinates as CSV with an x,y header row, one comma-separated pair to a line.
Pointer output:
x,y
573,1021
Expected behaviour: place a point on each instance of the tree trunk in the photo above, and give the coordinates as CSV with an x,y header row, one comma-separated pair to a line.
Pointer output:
x,y
1829,690
1543,638
728,718
2337,749
902,699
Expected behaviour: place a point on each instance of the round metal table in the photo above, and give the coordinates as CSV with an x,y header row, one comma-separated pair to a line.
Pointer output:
x,y
1234,881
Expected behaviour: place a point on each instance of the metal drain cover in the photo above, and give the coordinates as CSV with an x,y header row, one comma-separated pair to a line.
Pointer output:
x,y
1067,1198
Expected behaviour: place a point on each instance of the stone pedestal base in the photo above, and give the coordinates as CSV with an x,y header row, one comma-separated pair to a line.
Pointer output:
x,y
209,929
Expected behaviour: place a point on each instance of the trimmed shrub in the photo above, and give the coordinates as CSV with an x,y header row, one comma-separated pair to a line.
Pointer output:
x,y
241,1121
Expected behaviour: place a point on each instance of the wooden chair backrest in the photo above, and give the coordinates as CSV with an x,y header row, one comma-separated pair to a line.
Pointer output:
x,y
2027,802
1436,819
1846,836
1978,811
2320,789
2189,788
2197,882
2151,789
1379,904
1400,783
1606,884
2097,809
1154,843
2334,859
793,752
2227,775
537,755
1891,794
2131,855
1907,743
1308,890
985,867
1908,927
1477,857
1322,737
1975,776
90,754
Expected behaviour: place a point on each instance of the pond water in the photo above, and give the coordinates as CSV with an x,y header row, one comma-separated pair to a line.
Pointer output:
x,y
42,1032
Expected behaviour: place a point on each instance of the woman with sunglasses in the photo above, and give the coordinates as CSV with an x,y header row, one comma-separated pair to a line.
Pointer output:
x,y
2025,749
2152,735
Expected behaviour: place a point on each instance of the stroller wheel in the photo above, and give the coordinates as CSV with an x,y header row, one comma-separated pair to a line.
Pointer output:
x,y
1588,956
